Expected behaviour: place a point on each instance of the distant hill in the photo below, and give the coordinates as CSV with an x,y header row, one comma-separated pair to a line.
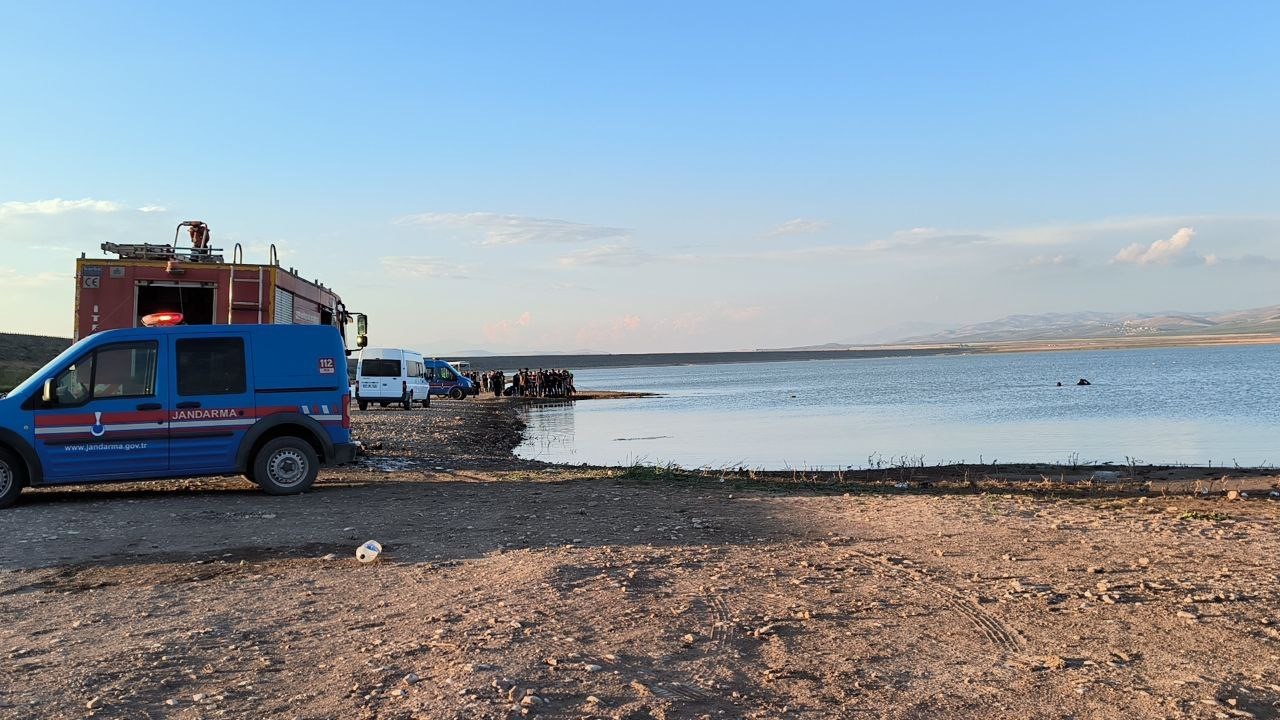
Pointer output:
x,y
21,355
1098,325
1057,327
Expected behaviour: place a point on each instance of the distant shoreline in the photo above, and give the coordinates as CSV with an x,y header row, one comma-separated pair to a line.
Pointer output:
x,y
581,362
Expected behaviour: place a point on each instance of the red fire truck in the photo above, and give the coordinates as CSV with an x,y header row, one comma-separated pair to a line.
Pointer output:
x,y
201,285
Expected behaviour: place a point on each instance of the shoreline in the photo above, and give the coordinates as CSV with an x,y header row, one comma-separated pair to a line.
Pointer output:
x,y
594,361
496,423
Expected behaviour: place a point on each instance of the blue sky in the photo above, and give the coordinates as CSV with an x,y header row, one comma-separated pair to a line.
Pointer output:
x,y
664,177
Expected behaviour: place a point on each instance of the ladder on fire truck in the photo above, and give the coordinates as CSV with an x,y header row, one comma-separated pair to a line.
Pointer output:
x,y
245,300
147,251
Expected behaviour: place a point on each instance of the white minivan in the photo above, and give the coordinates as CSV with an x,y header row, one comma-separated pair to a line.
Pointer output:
x,y
391,376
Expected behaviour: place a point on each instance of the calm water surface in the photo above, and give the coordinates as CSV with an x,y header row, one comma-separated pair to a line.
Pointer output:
x,y
1166,406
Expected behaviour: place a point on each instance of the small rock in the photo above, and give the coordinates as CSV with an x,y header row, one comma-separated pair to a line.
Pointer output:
x,y
170,702
198,697
1144,562
688,639
412,678
1055,662
593,699
589,667
551,661
1233,494
93,704
1187,615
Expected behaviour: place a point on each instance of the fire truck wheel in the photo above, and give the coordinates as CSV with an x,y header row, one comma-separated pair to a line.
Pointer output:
x,y
364,404
456,393
11,478
286,465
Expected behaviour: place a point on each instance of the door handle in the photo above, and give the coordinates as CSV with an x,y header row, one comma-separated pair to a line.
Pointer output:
x,y
149,406
188,405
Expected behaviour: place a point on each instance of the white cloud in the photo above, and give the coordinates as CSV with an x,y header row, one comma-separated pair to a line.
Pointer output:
x,y
152,209
608,255
496,229
506,331
424,267
1058,260
799,226
1159,252
930,238
58,206
11,279
1243,262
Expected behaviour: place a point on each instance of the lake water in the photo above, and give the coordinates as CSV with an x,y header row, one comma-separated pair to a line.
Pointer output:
x,y
1195,406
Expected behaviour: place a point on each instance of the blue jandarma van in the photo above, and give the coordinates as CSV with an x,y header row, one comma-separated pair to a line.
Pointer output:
x,y
445,379
270,402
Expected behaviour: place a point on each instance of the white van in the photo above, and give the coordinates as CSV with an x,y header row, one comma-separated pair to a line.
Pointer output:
x,y
391,376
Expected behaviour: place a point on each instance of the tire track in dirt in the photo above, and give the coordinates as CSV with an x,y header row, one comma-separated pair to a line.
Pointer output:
x,y
990,627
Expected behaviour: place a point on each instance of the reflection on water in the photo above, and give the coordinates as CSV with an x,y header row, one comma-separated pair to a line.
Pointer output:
x,y
1196,406
549,432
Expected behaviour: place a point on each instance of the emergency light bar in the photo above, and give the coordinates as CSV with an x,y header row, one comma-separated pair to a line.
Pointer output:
x,y
162,319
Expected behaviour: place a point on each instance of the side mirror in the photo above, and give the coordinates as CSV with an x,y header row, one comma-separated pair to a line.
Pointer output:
x,y
47,394
362,330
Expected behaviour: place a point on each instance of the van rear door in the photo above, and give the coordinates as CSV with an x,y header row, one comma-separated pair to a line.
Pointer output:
x,y
211,392
381,378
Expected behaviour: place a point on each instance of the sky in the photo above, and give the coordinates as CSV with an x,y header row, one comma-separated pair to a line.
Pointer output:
x,y
662,176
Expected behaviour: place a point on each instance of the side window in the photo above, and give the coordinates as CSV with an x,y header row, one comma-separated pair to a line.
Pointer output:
x,y
125,371
114,371
445,375
211,366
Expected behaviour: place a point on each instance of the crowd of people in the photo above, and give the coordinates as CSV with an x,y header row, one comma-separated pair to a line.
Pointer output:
x,y
526,383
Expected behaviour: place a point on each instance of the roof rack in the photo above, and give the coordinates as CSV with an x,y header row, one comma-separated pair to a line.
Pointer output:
x,y
147,251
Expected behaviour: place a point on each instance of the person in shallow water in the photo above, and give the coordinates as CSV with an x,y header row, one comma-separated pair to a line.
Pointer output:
x,y
1084,382
1059,384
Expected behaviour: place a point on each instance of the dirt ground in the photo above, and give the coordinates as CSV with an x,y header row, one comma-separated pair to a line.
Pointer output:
x,y
510,588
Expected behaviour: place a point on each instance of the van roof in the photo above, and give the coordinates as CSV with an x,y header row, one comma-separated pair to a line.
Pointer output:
x,y
384,352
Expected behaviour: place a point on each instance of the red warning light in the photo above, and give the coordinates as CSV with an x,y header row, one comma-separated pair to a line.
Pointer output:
x,y
162,319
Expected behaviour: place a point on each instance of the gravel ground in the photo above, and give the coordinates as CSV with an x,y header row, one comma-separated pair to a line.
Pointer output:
x,y
510,588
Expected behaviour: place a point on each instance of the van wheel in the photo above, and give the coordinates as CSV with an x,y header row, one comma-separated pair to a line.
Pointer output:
x,y
12,478
286,465
426,401
407,403
456,393
363,404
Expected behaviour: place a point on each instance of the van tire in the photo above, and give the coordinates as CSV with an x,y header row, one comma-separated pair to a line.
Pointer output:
x,y
426,401
286,465
456,393
407,403
363,404
13,476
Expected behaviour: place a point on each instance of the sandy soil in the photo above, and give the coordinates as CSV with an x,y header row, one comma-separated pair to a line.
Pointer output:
x,y
510,588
